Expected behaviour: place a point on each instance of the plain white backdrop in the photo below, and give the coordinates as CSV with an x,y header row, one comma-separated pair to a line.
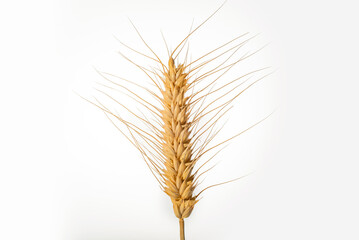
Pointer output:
x,y
67,174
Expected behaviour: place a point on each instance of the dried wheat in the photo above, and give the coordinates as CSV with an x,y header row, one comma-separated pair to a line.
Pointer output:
x,y
171,145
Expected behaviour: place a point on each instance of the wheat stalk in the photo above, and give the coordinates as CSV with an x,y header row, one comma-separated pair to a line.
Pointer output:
x,y
177,137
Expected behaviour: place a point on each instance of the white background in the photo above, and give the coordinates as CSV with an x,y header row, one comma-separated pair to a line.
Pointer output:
x,y
66,173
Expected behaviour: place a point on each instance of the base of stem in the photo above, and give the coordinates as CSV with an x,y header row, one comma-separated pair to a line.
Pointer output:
x,y
181,222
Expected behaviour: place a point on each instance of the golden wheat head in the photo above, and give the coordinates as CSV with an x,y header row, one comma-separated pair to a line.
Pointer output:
x,y
177,137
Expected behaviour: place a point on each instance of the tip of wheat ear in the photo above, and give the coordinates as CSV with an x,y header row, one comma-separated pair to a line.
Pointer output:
x,y
177,147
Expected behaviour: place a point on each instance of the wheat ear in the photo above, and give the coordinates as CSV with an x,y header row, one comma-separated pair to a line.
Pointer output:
x,y
177,137
177,147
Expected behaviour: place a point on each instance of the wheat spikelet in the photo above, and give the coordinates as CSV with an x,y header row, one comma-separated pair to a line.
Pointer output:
x,y
182,126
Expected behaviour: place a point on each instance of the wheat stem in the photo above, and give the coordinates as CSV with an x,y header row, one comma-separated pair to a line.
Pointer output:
x,y
181,222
